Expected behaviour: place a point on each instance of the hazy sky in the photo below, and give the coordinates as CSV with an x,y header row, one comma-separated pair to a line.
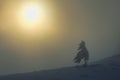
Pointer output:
x,y
95,21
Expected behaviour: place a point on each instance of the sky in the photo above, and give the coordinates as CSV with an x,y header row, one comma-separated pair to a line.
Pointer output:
x,y
94,21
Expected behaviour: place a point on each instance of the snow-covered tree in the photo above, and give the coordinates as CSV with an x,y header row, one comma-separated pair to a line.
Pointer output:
x,y
82,54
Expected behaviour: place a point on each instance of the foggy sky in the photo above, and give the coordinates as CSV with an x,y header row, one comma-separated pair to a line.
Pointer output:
x,y
95,21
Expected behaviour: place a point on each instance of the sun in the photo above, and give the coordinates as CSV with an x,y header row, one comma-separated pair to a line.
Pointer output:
x,y
32,17
32,13
35,18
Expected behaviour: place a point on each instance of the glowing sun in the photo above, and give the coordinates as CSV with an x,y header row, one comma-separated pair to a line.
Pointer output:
x,y
33,16
32,13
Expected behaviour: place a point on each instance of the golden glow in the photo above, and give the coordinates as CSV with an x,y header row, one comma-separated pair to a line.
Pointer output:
x,y
28,21
33,17
29,26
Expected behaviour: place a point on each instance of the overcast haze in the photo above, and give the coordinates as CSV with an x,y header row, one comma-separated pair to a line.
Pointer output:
x,y
95,21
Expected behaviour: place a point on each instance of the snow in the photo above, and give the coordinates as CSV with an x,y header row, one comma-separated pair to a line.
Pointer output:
x,y
107,69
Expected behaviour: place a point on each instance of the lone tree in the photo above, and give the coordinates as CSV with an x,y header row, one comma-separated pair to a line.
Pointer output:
x,y
82,54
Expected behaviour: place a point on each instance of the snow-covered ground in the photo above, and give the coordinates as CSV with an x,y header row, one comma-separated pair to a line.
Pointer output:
x,y
107,69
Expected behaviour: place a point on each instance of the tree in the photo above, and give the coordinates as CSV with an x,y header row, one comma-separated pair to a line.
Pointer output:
x,y
82,54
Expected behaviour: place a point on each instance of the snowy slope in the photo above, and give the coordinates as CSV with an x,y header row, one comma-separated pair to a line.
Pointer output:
x,y
107,69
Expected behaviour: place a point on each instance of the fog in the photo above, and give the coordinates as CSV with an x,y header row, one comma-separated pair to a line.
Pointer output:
x,y
94,21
